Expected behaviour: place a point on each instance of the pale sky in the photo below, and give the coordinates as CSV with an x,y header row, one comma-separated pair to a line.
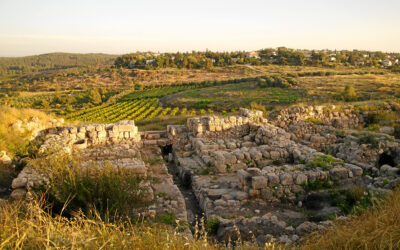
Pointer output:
x,y
29,27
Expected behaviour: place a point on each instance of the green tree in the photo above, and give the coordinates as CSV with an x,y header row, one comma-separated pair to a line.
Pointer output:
x,y
349,93
94,96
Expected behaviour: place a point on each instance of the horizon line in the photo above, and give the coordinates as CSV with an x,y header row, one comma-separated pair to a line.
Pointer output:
x,y
177,51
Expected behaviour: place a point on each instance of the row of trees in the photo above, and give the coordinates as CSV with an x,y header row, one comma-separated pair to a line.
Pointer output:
x,y
280,56
192,60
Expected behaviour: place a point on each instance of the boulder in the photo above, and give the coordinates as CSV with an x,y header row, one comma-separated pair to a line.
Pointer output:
x,y
4,158
338,173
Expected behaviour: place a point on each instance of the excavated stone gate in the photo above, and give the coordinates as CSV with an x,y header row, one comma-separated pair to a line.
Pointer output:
x,y
248,173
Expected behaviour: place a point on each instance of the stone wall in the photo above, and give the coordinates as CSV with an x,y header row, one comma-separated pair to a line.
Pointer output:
x,y
90,135
287,181
155,138
345,117
36,127
230,126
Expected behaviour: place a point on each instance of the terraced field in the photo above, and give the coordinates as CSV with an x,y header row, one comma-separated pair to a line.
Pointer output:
x,y
233,96
136,106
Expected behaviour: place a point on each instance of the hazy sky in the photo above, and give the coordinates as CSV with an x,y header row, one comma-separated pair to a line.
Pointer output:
x,y
30,27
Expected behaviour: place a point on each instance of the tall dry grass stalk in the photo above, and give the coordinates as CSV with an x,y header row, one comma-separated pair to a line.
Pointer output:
x,y
28,225
378,228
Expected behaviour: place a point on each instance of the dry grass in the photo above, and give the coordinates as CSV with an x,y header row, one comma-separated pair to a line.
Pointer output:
x,y
161,122
10,140
28,225
378,228
366,86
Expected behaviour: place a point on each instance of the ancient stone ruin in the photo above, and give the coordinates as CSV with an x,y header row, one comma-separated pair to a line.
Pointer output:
x,y
269,179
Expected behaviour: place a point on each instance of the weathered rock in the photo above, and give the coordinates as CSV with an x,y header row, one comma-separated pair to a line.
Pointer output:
x,y
4,158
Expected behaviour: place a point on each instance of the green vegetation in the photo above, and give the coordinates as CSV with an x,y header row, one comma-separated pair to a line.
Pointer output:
x,y
354,200
349,93
107,191
315,121
325,162
277,81
233,96
280,56
52,61
125,110
316,185
205,171
368,138
212,225
376,228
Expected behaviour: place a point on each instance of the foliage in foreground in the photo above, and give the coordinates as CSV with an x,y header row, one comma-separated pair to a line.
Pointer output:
x,y
113,192
29,226
378,228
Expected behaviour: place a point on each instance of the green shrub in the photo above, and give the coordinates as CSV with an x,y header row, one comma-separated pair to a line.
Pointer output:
x,y
370,139
349,93
212,225
382,118
205,171
315,121
316,185
353,200
168,219
373,127
325,162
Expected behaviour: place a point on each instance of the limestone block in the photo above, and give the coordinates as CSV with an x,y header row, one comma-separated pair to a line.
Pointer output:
x,y
286,179
229,158
275,155
243,176
82,130
92,134
338,173
273,179
102,134
301,178
18,194
259,182
255,155
254,171
357,171
73,130
19,182
4,158
238,166
80,135
90,128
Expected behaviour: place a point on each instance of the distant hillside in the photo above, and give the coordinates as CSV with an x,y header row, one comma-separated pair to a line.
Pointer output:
x,y
29,64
